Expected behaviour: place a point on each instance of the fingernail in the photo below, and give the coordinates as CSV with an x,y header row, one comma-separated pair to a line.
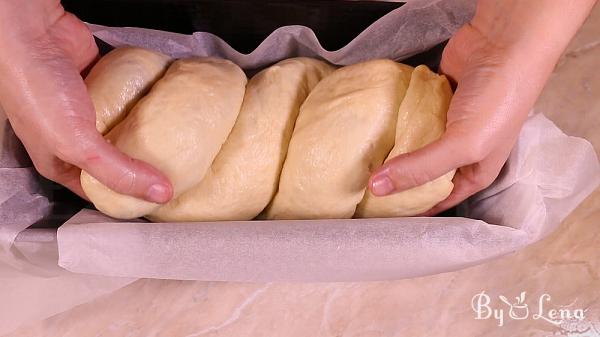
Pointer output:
x,y
382,185
158,193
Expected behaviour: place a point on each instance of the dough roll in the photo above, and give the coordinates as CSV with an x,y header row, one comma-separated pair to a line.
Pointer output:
x,y
120,79
345,129
244,176
421,120
178,128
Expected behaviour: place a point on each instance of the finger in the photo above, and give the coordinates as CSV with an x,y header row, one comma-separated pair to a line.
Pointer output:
x,y
75,187
463,188
484,113
52,168
118,171
472,179
428,163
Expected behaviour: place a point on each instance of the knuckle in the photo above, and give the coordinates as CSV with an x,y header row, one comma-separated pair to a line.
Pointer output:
x,y
125,183
66,156
479,182
486,181
77,153
45,172
403,176
66,150
79,145
466,146
476,151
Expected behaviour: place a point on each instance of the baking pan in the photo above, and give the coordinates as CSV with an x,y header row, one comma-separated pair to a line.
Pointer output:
x,y
243,24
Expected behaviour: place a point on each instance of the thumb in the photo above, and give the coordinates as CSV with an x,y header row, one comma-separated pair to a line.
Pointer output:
x,y
481,114
118,171
423,165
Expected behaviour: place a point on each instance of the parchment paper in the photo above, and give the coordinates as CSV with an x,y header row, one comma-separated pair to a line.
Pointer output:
x,y
547,175
406,31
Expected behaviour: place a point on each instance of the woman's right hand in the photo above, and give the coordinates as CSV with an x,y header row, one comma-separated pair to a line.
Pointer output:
x,y
43,50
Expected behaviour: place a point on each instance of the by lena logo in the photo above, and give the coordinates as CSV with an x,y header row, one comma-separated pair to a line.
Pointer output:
x,y
519,309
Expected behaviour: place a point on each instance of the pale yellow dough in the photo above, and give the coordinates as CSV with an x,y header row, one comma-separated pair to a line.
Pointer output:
x,y
178,128
345,129
421,120
120,79
244,176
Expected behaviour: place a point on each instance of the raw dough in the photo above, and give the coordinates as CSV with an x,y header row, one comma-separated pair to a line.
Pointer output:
x,y
421,120
244,176
120,79
345,129
178,128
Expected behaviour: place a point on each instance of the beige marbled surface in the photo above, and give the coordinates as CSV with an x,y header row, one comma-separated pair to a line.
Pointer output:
x,y
565,265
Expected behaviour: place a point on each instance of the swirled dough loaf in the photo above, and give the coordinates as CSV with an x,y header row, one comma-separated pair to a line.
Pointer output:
x,y
178,128
345,129
421,120
120,79
244,176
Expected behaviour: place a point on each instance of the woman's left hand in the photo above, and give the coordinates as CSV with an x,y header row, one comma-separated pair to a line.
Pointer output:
x,y
500,62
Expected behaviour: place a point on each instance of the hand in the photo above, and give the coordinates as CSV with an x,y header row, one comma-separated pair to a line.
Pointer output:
x,y
500,62
43,51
